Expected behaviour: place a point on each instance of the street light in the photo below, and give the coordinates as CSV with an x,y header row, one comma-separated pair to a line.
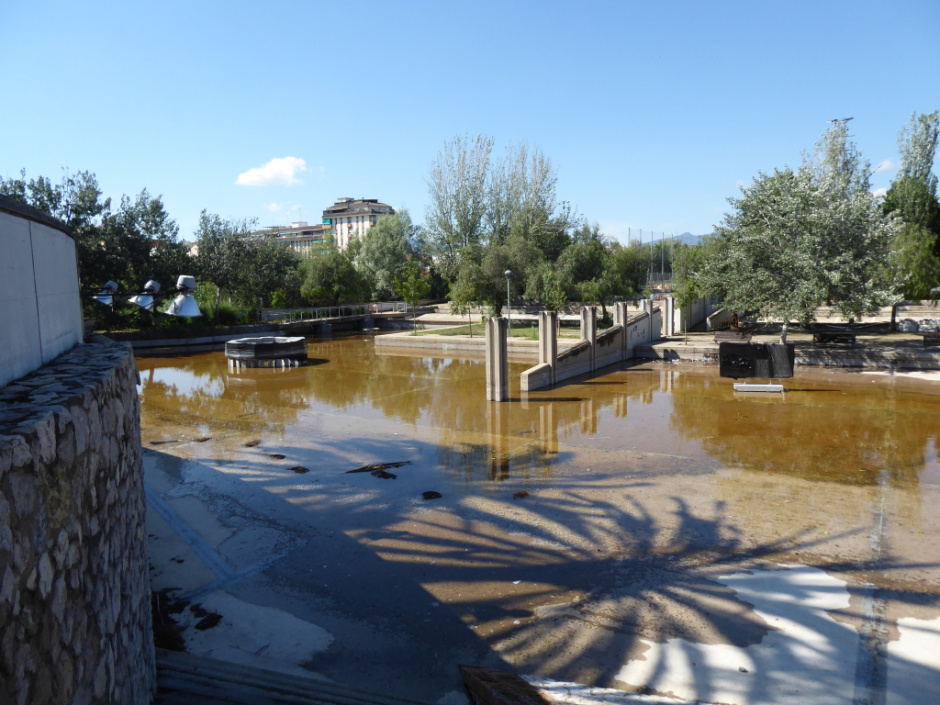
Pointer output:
x,y
508,308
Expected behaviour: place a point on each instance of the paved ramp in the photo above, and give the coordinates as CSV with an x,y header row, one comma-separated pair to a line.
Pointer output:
x,y
185,679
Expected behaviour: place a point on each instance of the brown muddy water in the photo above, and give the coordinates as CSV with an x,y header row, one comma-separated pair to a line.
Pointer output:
x,y
570,523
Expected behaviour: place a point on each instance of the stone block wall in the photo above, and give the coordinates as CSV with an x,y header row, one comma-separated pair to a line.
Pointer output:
x,y
75,621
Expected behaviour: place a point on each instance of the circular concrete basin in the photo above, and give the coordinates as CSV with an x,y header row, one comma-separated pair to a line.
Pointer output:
x,y
265,350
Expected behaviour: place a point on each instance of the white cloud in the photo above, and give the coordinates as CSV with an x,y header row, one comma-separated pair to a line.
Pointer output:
x,y
886,165
880,192
286,207
277,172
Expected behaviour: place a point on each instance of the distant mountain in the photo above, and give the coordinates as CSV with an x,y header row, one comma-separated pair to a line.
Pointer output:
x,y
689,239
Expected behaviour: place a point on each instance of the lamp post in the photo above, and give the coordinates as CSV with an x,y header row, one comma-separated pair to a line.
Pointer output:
x,y
508,274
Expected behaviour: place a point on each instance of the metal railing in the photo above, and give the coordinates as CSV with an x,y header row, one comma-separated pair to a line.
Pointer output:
x,y
323,313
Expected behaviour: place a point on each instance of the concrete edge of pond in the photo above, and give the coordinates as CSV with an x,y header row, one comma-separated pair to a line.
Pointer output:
x,y
885,355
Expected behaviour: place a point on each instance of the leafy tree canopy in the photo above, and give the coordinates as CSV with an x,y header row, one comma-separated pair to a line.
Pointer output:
x,y
383,253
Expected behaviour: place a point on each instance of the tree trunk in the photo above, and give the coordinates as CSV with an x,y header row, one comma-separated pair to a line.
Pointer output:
x,y
218,301
894,318
783,333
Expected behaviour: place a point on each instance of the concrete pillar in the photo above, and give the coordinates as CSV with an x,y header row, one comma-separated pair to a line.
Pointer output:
x,y
620,313
497,432
589,331
548,429
588,417
548,337
620,319
497,360
548,340
664,317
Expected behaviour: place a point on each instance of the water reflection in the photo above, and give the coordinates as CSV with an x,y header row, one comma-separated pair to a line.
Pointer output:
x,y
838,427
847,428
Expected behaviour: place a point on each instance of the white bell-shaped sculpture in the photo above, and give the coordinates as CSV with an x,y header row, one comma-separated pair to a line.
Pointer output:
x,y
145,299
106,295
184,304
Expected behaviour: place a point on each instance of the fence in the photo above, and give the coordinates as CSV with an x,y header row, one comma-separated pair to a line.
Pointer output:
x,y
285,315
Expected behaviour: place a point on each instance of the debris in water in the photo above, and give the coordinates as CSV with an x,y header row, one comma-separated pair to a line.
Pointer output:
x,y
203,439
277,456
252,444
209,621
377,467
167,634
300,469
431,494
520,494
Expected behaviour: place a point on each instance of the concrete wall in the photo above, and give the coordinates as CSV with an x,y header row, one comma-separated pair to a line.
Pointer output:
x,y
610,347
594,350
638,330
40,305
698,311
75,623
576,360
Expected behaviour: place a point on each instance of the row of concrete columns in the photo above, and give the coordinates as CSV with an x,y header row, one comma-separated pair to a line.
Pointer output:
x,y
586,356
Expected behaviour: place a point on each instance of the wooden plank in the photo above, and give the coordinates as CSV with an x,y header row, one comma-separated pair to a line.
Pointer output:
x,y
490,687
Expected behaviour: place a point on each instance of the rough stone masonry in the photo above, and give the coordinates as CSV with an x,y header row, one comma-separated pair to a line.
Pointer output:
x,y
75,624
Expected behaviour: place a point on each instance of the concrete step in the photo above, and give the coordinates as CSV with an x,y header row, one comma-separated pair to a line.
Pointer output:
x,y
185,679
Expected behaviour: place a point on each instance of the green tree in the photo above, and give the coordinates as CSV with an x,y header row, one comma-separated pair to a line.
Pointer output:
x,y
384,252
476,200
688,263
544,282
465,291
412,287
522,203
457,199
135,242
269,267
626,269
222,253
913,197
797,239
331,278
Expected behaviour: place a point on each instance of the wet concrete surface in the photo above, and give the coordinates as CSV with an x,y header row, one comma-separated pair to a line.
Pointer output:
x,y
660,507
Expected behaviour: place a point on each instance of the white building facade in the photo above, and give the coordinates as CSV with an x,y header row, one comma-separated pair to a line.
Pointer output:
x,y
352,217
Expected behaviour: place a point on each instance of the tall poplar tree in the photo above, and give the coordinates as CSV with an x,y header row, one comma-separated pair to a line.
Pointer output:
x,y
913,197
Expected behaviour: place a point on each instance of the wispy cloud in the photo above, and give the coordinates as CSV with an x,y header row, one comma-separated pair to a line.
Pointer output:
x,y
277,172
886,165
286,207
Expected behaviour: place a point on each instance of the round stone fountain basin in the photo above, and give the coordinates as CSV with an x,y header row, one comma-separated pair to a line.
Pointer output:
x,y
266,351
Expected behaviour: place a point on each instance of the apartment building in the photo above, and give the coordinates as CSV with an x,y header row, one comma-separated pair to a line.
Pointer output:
x,y
352,217
346,219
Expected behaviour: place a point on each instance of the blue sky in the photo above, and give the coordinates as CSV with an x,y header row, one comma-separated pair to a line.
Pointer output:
x,y
652,113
